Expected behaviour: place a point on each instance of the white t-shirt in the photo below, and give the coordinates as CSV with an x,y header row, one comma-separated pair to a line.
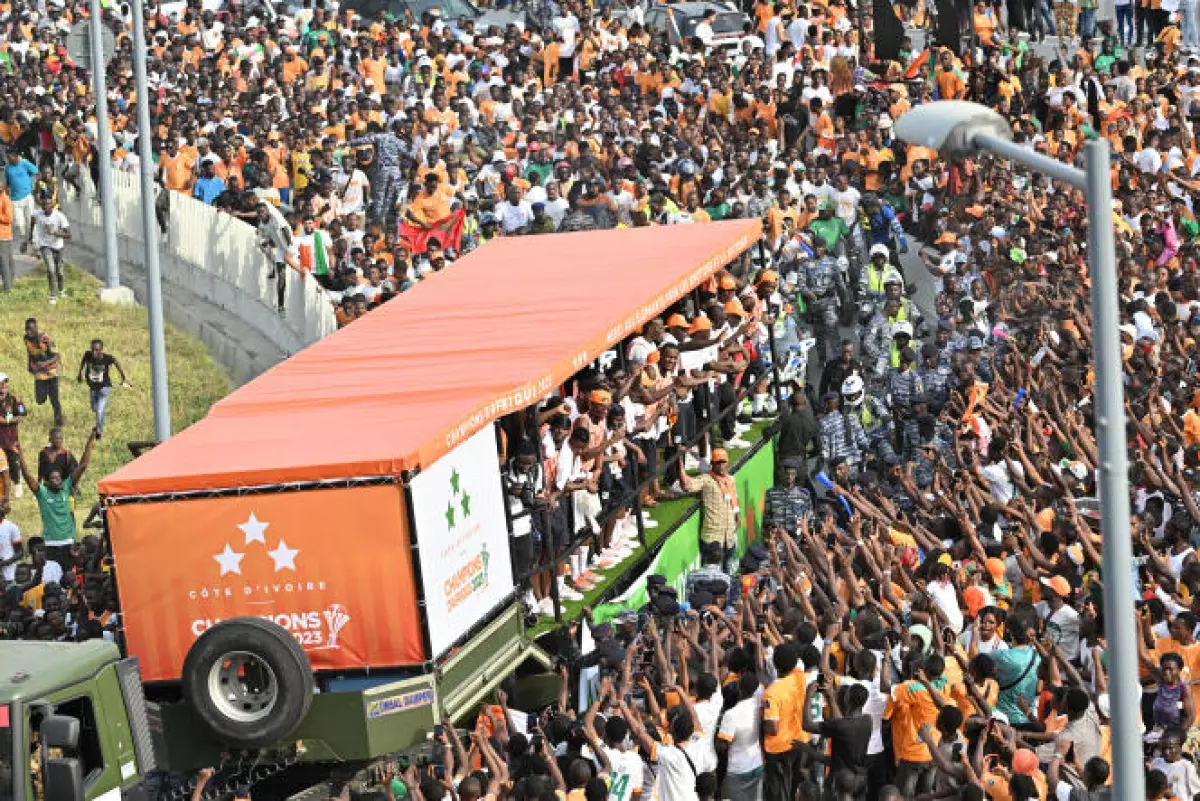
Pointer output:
x,y
513,216
946,598
676,777
703,750
48,227
628,774
999,481
568,29
740,728
10,537
876,706
847,205
354,196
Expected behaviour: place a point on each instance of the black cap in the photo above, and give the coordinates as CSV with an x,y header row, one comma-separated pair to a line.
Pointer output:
x,y
701,599
667,606
656,580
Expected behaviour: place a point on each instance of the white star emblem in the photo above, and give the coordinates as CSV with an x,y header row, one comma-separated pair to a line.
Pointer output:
x,y
254,530
285,557
230,560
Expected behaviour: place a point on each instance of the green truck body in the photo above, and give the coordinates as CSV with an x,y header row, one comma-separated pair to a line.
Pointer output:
x,y
123,737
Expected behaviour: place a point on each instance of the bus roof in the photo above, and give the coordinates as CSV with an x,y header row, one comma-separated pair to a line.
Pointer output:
x,y
493,333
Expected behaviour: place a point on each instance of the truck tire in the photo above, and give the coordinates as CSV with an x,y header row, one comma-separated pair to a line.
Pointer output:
x,y
248,681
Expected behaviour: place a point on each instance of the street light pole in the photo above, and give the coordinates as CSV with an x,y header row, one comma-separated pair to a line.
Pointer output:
x,y
959,128
154,311
108,212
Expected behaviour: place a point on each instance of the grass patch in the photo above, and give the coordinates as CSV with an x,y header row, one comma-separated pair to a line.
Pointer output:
x,y
196,381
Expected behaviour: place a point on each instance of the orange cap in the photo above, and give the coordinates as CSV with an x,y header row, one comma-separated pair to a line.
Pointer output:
x,y
975,599
600,397
1059,585
946,238
701,323
728,282
767,277
1025,761
677,321
995,568
719,455
735,307
975,211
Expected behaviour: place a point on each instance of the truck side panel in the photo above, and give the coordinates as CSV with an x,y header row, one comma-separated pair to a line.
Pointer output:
x,y
332,566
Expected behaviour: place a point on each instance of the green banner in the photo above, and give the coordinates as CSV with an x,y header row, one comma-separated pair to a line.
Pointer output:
x,y
680,554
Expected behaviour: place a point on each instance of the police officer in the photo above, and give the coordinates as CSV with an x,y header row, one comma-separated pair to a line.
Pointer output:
x,y
818,284
935,377
893,289
877,341
872,280
842,436
872,416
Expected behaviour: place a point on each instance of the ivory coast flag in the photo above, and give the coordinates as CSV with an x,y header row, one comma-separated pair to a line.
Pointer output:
x,y
314,258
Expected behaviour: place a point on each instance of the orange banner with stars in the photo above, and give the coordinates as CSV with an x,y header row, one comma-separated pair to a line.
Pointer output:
x,y
331,566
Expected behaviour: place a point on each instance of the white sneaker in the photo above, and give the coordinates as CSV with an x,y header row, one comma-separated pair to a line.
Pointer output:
x,y
545,607
566,593
736,442
19,490
53,301
648,521
740,428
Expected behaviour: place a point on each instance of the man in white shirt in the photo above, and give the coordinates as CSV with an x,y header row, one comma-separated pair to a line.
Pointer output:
x,y
49,232
514,213
628,773
740,736
11,548
704,29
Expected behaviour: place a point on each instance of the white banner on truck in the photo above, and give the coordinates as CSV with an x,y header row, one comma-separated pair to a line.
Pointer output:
x,y
466,569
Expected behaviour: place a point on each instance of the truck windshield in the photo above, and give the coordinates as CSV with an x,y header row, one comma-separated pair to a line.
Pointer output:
x,y
7,775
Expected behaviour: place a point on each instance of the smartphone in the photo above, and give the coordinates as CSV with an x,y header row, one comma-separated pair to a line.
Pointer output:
x,y
439,730
402,763
535,743
439,772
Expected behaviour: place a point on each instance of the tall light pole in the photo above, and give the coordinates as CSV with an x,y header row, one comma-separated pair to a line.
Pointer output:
x,y
104,148
957,128
154,312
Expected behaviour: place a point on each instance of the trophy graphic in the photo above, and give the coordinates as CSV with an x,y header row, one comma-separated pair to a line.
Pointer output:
x,y
336,618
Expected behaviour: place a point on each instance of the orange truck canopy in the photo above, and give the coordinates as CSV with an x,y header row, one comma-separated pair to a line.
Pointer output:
x,y
397,389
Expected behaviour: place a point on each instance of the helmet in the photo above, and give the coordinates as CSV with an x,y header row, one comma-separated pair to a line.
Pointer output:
x,y
687,167
892,277
902,327
852,390
843,262
880,250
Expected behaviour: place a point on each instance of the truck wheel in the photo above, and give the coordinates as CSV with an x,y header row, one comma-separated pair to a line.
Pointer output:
x,y
248,681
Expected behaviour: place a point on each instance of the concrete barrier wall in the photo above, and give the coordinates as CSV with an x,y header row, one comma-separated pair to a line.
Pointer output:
x,y
215,282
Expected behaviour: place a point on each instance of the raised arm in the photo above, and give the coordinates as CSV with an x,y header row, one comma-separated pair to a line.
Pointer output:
x,y
83,461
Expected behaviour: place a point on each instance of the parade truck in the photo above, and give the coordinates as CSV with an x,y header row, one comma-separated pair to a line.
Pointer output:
x,y
280,634
318,573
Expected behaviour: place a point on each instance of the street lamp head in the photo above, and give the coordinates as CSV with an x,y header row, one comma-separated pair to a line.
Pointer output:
x,y
949,126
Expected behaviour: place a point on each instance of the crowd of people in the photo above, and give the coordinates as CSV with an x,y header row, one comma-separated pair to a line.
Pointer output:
x,y
56,585
923,615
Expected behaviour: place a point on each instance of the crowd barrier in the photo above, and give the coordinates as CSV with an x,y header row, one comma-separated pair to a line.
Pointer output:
x,y
211,256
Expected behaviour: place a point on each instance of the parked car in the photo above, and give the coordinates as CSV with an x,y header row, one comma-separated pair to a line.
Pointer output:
x,y
450,10
678,21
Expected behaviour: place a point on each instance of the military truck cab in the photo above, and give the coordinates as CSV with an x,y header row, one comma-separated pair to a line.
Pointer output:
x,y
73,722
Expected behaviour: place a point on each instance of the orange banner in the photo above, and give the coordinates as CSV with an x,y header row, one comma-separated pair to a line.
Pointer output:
x,y
331,566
